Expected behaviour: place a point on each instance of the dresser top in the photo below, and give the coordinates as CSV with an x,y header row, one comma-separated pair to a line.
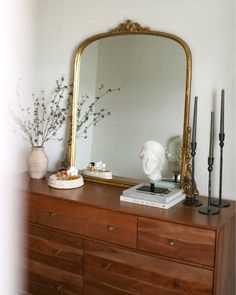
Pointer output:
x,y
108,197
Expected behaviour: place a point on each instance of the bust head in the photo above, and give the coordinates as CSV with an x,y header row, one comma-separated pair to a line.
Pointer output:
x,y
174,151
153,159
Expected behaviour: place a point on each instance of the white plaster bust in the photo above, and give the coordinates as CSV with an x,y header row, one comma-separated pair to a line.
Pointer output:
x,y
153,159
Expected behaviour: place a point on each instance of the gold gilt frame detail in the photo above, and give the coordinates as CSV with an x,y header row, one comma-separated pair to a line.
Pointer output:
x,y
129,28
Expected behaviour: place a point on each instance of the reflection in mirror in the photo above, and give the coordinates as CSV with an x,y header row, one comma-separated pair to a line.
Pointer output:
x,y
150,72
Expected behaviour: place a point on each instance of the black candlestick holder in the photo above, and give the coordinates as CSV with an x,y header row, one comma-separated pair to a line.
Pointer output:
x,y
193,201
220,203
209,210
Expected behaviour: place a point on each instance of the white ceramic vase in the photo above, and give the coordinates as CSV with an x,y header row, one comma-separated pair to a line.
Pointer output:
x,y
37,162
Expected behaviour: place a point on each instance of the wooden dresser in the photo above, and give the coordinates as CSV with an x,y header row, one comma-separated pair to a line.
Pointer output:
x,y
85,241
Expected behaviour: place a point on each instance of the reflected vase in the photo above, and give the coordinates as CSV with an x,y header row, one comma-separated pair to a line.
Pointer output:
x,y
37,162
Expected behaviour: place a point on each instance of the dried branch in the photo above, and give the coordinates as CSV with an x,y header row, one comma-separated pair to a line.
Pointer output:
x,y
91,117
43,123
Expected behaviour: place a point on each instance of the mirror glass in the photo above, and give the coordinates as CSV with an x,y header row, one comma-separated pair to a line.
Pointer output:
x,y
135,85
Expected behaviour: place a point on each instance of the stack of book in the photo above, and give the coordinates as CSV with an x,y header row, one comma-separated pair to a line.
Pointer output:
x,y
161,198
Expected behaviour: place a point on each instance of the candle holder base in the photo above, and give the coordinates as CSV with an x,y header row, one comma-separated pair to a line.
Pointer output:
x,y
192,202
211,211
220,204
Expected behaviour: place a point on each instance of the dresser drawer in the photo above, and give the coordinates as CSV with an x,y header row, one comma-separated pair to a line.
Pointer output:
x,y
137,273
44,279
177,241
98,288
54,248
114,227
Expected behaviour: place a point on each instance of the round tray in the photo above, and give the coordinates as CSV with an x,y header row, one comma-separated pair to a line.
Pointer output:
x,y
55,182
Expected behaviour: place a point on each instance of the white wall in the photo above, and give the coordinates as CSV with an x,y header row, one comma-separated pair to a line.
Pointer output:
x,y
207,26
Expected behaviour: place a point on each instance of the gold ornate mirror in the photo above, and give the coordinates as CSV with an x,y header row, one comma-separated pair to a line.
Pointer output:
x,y
141,78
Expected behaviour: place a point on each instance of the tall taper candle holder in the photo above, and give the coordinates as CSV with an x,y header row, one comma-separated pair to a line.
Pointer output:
x,y
209,210
192,201
220,203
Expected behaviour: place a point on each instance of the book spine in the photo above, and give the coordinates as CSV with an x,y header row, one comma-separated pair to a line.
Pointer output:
x,y
150,203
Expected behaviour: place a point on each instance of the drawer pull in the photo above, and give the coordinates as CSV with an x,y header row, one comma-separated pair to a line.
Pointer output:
x,y
177,285
172,242
52,214
56,252
107,266
110,227
59,287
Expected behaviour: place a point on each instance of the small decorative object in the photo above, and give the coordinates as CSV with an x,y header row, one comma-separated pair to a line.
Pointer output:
x,y
97,170
209,210
37,162
193,201
42,124
153,159
221,203
66,179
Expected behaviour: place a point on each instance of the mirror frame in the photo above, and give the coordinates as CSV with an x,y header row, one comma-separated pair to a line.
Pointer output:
x,y
130,28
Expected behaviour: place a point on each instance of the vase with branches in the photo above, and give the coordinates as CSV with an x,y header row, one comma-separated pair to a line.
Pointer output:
x,y
42,123
48,116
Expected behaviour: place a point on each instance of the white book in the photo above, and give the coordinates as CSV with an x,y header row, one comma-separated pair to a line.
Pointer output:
x,y
153,203
164,198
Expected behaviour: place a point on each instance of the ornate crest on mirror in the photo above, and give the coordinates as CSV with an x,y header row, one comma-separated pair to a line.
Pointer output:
x,y
131,84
